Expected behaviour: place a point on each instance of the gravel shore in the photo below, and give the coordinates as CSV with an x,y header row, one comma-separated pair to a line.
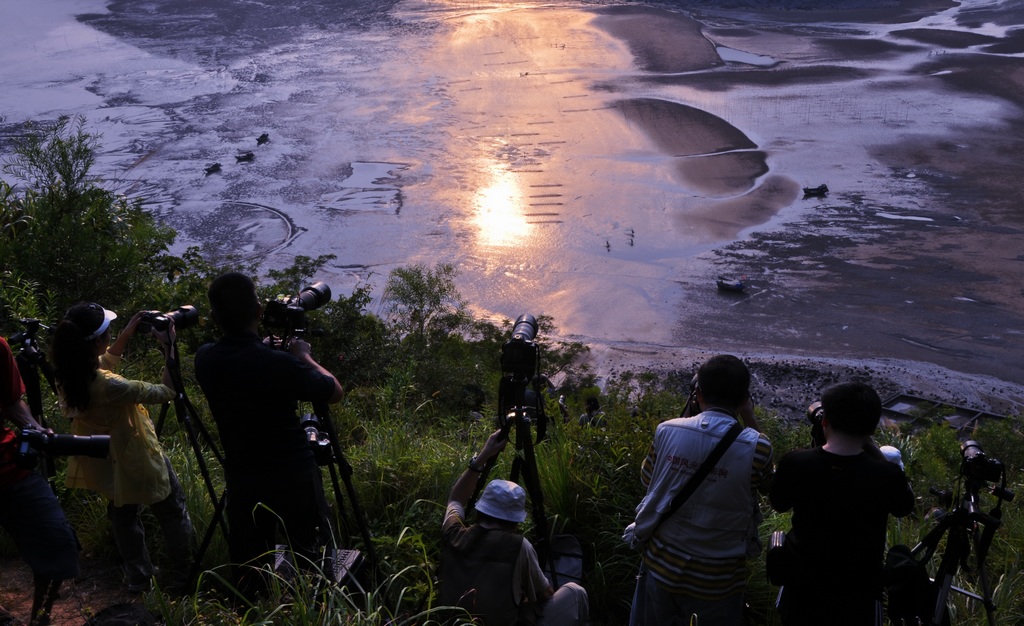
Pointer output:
x,y
789,383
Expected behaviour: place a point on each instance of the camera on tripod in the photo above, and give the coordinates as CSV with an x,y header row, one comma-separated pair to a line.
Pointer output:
x,y
519,395
34,443
289,312
520,354
183,317
977,466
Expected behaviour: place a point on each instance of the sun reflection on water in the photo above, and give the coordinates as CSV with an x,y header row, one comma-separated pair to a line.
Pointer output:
x,y
499,215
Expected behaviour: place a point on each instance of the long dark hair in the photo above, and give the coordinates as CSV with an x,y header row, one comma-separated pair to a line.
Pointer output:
x,y
73,353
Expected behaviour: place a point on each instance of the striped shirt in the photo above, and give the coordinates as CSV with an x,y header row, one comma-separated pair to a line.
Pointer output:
x,y
678,571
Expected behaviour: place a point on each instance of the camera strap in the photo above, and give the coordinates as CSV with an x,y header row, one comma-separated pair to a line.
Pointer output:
x,y
701,473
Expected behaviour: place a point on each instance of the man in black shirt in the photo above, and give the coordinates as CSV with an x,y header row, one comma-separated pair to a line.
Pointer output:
x,y
253,391
841,495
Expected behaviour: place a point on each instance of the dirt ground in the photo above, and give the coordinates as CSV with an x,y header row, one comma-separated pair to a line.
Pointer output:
x,y
99,586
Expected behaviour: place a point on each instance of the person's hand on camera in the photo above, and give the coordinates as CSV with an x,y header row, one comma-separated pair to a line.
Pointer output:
x,y
167,336
117,348
133,324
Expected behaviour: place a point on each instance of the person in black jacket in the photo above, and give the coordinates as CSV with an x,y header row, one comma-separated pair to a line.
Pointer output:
x,y
274,486
841,495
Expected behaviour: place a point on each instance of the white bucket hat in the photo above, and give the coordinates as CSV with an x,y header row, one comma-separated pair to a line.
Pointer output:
x,y
504,500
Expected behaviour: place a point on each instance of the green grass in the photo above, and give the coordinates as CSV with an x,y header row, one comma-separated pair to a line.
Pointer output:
x,y
405,458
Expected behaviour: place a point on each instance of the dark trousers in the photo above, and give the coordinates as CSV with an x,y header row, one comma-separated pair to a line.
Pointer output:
x,y
267,510
32,515
130,536
839,607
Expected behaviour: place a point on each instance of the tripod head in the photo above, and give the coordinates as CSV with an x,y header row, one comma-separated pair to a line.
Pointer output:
x,y
286,315
26,339
31,362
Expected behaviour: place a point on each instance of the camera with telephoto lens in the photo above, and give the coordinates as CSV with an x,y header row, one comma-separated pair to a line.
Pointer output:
x,y
519,355
184,317
33,443
520,362
977,466
289,312
318,440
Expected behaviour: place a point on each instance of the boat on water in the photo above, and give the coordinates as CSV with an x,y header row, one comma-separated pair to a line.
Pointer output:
x,y
735,285
820,190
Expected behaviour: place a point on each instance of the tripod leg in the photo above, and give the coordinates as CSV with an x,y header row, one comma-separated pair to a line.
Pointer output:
x,y
197,563
343,525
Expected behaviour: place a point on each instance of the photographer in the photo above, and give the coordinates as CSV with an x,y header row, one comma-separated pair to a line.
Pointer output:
x,y
29,510
100,402
253,391
694,554
594,416
841,495
489,568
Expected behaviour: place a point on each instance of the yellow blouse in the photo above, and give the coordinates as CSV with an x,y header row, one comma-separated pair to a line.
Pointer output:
x,y
135,472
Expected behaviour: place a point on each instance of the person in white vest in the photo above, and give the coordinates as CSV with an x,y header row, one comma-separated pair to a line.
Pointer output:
x,y
694,557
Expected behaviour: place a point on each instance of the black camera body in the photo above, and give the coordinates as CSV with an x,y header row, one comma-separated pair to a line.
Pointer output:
x,y
184,317
289,312
520,365
34,443
977,466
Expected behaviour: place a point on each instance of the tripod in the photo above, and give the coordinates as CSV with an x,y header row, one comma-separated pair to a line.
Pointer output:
x,y
188,418
967,527
339,468
31,362
519,407
323,438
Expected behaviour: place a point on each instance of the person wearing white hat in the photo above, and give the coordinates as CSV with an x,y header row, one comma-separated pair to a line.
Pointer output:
x,y
101,402
489,568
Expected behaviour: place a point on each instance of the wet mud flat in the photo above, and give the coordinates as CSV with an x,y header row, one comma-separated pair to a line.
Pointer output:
x,y
647,151
915,254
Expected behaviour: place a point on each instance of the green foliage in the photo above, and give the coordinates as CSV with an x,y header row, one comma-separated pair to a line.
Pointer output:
x,y
424,304
23,298
56,160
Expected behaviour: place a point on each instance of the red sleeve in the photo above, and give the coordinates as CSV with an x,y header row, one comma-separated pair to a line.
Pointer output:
x,y
11,386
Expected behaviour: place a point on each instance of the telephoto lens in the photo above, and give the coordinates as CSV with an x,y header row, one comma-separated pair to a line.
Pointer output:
x,y
525,328
314,296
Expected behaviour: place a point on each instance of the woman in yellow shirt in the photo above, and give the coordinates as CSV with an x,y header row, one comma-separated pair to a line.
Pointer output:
x,y
136,473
